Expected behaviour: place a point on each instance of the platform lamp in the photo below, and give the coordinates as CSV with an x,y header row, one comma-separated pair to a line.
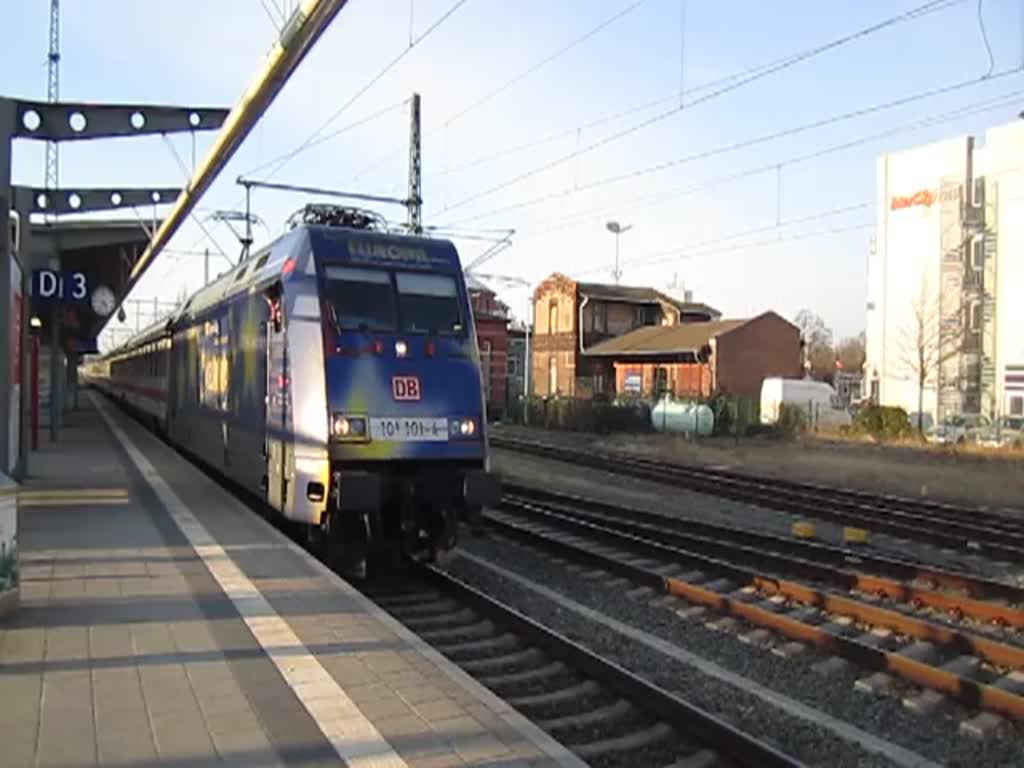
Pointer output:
x,y
617,229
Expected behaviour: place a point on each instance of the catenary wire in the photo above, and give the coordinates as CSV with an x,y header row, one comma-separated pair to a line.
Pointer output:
x,y
802,56
530,70
736,146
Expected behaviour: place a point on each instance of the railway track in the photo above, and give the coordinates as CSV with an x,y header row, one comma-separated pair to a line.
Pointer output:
x,y
603,713
978,672
958,528
995,604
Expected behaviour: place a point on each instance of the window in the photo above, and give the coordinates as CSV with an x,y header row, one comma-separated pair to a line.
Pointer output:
x,y
361,299
646,316
975,315
553,317
428,304
552,375
660,380
599,318
1017,405
973,374
485,366
978,252
978,192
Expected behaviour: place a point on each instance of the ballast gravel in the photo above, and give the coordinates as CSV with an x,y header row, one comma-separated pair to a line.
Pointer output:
x,y
935,737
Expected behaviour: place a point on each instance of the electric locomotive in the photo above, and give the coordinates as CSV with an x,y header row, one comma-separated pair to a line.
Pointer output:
x,y
335,373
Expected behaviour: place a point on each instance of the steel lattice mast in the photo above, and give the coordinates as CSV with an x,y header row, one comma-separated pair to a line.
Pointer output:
x,y
53,91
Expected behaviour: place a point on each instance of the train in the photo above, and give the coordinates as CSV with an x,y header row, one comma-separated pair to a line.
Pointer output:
x,y
335,375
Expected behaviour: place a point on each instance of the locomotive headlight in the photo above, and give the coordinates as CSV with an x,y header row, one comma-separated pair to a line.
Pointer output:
x,y
350,427
401,348
463,427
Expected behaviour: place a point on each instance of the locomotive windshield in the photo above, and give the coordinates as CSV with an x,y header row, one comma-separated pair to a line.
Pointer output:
x,y
379,300
362,299
428,303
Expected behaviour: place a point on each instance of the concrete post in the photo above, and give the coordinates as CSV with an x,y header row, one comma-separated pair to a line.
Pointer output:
x,y
6,257
27,384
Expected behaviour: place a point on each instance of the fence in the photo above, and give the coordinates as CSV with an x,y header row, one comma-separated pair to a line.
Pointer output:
x,y
581,415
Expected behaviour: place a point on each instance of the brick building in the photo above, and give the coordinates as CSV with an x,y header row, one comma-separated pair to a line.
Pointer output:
x,y
571,317
696,359
490,316
516,384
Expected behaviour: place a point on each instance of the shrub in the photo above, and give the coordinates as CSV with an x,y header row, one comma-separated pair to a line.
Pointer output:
x,y
883,422
792,419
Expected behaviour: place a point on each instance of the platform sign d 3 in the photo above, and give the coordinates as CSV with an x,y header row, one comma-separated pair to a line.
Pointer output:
x,y
50,285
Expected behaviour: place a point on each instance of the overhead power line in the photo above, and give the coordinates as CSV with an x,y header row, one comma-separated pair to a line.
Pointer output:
x,y
650,200
921,10
701,248
683,254
544,62
282,159
618,115
530,70
312,138
747,143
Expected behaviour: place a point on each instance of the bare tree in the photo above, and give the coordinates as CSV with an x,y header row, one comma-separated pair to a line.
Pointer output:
x,y
817,338
850,352
925,348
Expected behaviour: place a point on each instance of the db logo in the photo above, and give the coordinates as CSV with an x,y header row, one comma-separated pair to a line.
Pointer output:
x,y
405,388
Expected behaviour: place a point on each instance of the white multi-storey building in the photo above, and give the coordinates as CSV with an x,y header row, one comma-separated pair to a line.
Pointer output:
x,y
946,278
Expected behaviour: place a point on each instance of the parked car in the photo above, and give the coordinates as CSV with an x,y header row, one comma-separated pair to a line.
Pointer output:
x,y
960,428
1007,433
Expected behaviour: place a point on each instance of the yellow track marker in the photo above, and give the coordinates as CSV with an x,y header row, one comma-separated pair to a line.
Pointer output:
x,y
803,530
855,535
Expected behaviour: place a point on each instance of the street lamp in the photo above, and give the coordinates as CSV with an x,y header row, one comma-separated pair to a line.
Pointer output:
x,y
617,229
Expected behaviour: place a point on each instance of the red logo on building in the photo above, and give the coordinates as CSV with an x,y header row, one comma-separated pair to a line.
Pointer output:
x,y
923,197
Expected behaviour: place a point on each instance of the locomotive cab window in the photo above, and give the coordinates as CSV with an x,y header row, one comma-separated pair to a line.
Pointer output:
x,y
362,299
428,304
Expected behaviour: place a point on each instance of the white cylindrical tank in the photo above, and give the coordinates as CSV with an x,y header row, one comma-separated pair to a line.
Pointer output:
x,y
682,418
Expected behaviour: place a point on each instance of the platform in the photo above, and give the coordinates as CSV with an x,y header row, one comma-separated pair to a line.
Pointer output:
x,y
164,622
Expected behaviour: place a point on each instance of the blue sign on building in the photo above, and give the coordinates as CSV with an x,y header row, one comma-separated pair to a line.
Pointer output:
x,y
48,284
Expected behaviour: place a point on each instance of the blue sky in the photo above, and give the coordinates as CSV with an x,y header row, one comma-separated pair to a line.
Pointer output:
x,y
201,53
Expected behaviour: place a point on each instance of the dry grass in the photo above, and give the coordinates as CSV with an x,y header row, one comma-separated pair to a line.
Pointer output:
x,y
993,479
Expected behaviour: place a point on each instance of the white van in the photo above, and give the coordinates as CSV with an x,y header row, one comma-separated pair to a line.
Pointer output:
x,y
816,399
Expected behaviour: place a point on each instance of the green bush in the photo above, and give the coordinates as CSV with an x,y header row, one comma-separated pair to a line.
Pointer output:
x,y
792,419
883,422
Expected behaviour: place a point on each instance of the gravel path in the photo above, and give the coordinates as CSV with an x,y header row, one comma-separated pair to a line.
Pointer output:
x,y
644,494
935,737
